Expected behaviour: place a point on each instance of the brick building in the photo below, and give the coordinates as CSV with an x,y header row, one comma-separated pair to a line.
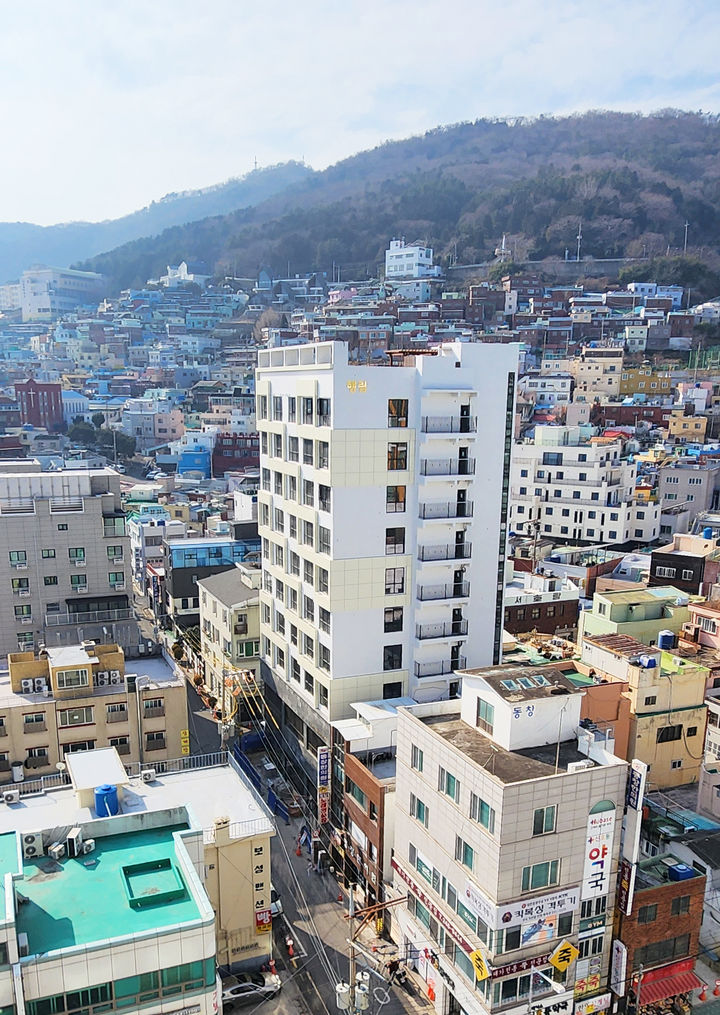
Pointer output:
x,y
40,404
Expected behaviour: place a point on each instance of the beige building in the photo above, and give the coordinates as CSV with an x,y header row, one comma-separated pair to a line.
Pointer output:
x,y
598,371
667,705
642,614
686,428
230,638
78,698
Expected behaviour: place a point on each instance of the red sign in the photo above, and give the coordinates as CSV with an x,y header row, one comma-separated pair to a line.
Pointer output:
x,y
323,808
683,966
439,916
519,967
263,921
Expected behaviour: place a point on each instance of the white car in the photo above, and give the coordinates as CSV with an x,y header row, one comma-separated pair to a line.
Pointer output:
x,y
248,988
276,906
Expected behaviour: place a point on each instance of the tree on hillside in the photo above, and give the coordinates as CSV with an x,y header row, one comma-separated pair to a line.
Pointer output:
x,y
98,418
83,434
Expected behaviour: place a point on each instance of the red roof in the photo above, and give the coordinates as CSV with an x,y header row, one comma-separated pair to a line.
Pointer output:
x,y
669,986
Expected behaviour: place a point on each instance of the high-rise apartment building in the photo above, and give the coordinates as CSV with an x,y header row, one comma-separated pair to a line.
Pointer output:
x,y
382,517
46,293
64,559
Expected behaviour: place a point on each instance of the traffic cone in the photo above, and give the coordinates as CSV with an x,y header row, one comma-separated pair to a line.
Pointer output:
x,y
340,897
298,851
716,992
702,996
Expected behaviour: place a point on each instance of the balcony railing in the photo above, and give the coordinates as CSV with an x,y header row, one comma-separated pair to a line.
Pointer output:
x,y
118,716
155,745
447,467
450,629
89,617
154,713
122,748
449,551
437,669
449,424
34,727
439,509
240,628
458,590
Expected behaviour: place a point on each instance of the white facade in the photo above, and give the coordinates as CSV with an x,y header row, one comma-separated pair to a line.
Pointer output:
x,y
491,844
409,261
146,539
579,492
75,404
47,293
381,512
546,389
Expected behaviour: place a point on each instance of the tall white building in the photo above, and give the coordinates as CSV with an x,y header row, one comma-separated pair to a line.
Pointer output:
x,y
46,293
411,261
382,515
577,491
507,833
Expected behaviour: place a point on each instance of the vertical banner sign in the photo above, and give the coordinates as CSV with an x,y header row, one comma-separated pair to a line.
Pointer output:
x,y
626,886
618,968
323,784
598,854
631,834
261,889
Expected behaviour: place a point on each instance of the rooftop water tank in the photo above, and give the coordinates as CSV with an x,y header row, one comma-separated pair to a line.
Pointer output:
x,y
106,801
666,640
707,532
681,872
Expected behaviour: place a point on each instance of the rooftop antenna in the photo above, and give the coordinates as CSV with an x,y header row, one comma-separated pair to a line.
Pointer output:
x,y
256,162
557,749
685,243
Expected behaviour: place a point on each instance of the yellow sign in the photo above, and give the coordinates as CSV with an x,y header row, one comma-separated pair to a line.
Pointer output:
x,y
184,734
479,965
564,956
184,750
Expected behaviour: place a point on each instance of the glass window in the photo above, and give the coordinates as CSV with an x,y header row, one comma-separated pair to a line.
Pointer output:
x,y
485,715
393,619
544,820
394,581
397,457
395,499
392,657
482,812
416,758
397,412
540,875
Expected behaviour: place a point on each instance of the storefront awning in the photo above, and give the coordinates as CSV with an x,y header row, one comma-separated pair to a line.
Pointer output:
x,y
669,986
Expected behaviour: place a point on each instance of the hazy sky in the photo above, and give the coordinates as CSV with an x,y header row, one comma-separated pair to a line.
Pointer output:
x,y
105,107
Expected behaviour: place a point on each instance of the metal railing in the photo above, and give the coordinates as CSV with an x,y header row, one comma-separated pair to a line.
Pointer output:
x,y
437,669
237,830
154,712
449,551
449,424
451,629
458,590
155,745
447,467
119,715
440,509
91,617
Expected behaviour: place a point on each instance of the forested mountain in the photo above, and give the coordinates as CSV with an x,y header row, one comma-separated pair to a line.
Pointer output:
x,y
632,180
23,244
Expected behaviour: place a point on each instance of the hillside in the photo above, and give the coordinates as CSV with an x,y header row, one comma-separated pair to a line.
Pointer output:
x,y
22,244
633,180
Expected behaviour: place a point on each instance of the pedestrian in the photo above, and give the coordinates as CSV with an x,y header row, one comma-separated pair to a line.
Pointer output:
x,y
310,867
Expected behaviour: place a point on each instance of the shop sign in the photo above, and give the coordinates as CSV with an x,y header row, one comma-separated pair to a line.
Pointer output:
x,y
263,921
426,901
683,966
564,956
636,784
626,886
554,1006
587,984
323,785
592,923
593,1004
520,967
525,912
598,854
618,968
479,965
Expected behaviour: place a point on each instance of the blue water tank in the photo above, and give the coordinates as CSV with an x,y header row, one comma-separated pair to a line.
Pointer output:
x,y
707,532
681,872
106,801
666,640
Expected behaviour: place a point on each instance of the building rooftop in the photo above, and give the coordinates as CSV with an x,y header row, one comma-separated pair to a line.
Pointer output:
x,y
506,766
656,871
229,587
649,595
132,882
70,656
620,644
520,684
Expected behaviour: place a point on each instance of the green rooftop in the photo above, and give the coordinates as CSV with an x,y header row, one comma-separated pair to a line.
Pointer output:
x,y
8,854
86,900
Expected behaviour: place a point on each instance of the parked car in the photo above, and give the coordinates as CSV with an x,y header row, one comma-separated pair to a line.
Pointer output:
x,y
248,988
276,906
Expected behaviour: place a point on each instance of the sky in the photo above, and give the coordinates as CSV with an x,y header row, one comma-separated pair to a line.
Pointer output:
x,y
104,108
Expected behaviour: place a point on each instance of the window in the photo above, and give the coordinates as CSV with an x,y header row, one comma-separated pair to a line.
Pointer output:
x,y
20,584
308,609
324,657
394,581
540,875
397,412
392,657
544,820
71,678
308,572
323,539
18,557
662,951
394,541
324,619
116,579
323,580
48,554
482,812
308,489
308,533
651,699
667,733
76,553
395,499
680,905
448,784
687,574
416,758
397,457
62,527
292,409
648,914
322,695
691,731
75,716
665,572
114,551
323,449
23,611
78,581
464,853
293,449
277,407
590,946
418,810
34,719
485,716
309,682
393,619
309,646
307,452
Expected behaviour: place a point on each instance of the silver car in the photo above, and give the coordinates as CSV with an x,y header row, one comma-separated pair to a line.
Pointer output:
x,y
248,988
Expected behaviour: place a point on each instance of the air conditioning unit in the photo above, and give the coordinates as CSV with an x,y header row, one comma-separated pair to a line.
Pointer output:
x,y
32,845
102,680
24,593
88,846
148,775
27,686
11,796
23,944
21,567
580,766
26,620
57,850
117,560
81,590
74,841
80,563
40,684
115,677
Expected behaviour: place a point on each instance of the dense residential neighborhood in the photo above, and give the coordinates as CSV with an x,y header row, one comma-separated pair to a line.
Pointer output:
x,y
399,594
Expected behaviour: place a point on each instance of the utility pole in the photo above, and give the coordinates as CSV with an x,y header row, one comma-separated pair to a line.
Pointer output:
x,y
685,244
579,239
353,962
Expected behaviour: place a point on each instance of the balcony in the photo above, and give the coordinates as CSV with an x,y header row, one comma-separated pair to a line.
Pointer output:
x,y
449,551
240,628
457,590
155,745
117,586
442,666
120,715
123,748
154,713
449,424
23,593
3,730
434,510
34,727
449,629
443,467
89,617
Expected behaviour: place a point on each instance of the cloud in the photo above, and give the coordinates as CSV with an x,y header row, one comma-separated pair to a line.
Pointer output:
x,y
103,109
